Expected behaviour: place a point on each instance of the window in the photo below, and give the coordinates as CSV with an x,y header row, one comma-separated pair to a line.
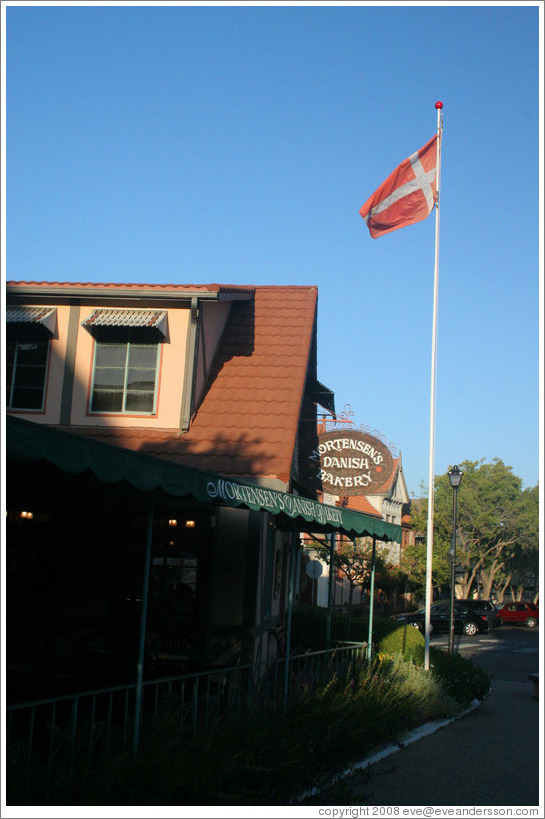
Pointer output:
x,y
125,377
26,367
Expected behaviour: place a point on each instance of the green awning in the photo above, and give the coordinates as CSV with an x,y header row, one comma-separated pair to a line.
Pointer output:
x,y
27,441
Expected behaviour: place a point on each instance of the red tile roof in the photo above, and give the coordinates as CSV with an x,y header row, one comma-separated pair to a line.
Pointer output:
x,y
360,504
247,423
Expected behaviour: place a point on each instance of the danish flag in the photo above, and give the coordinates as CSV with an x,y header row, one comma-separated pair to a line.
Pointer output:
x,y
407,196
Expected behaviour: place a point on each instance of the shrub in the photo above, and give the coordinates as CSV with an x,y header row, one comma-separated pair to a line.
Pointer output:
x,y
309,627
268,759
404,640
460,678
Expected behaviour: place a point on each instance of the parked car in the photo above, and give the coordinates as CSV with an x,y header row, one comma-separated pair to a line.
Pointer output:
x,y
484,607
525,613
465,621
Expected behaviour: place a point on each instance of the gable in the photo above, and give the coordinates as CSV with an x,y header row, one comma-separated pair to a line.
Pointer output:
x,y
253,360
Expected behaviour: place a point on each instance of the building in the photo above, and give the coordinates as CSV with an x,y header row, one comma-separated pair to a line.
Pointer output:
x,y
155,483
391,500
376,489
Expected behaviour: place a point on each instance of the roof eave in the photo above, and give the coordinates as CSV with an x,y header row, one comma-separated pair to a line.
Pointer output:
x,y
57,290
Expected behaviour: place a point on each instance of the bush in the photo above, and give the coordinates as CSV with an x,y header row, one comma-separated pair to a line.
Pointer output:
x,y
309,627
460,678
267,759
405,640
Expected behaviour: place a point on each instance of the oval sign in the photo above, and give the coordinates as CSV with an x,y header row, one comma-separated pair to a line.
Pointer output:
x,y
349,462
314,569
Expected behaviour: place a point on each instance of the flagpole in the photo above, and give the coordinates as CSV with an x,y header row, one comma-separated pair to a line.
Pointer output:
x,y
433,391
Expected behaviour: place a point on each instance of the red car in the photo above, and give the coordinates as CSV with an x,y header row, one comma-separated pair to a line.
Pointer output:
x,y
526,613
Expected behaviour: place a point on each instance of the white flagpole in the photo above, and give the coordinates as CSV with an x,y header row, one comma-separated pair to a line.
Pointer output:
x,y
431,489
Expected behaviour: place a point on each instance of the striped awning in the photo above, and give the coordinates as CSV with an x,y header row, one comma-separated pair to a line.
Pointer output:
x,y
112,318
46,316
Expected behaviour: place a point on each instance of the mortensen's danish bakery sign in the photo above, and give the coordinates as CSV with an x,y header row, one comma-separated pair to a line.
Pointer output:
x,y
349,462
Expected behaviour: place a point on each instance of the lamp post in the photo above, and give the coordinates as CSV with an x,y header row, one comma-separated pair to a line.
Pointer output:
x,y
455,477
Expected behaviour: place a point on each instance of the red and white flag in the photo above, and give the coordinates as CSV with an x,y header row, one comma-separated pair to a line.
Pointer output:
x,y
408,194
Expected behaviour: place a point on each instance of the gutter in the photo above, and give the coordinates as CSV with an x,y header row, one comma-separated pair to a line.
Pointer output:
x,y
109,293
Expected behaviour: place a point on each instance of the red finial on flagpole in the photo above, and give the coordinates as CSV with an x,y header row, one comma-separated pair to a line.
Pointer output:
x,y
439,104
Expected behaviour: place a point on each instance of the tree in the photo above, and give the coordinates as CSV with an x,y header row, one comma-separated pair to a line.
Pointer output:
x,y
497,525
414,558
521,570
352,558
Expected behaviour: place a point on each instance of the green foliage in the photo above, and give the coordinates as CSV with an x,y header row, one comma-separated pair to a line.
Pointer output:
x,y
461,679
309,627
353,558
414,559
497,524
267,758
404,640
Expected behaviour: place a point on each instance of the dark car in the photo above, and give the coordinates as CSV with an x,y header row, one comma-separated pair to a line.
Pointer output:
x,y
525,613
484,607
465,621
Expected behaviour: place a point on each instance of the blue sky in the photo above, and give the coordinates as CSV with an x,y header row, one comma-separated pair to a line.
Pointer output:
x,y
236,144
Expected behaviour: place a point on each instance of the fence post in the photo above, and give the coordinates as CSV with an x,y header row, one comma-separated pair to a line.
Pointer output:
x,y
371,599
330,590
291,595
143,618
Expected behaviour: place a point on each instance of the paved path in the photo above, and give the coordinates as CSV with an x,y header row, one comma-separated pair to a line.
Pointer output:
x,y
488,757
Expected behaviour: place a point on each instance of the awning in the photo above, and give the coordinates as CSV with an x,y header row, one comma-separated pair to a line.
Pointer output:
x,y
44,316
103,320
27,441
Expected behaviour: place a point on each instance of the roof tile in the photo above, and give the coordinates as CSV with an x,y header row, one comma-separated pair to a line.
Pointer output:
x,y
247,423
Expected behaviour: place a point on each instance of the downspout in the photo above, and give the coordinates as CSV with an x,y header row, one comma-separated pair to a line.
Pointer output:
x,y
190,366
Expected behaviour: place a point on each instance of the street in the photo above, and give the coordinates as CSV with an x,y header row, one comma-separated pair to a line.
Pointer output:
x,y
487,757
508,653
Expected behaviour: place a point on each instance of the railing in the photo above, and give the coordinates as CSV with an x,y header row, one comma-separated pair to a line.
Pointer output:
x,y
50,742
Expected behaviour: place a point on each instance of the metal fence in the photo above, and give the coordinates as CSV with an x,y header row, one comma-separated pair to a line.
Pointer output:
x,y
51,742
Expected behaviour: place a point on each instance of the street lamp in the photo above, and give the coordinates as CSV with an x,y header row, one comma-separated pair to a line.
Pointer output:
x,y
455,477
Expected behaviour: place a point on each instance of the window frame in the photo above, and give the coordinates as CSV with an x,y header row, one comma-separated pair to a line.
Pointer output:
x,y
126,342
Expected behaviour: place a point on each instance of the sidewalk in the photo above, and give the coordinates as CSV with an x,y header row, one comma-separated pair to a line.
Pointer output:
x,y
488,757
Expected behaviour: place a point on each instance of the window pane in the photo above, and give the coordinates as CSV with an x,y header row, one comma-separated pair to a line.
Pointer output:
x,y
32,352
108,378
141,380
27,399
143,355
107,401
139,402
110,355
29,376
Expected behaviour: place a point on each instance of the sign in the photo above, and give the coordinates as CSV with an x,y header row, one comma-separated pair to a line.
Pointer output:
x,y
350,462
314,569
